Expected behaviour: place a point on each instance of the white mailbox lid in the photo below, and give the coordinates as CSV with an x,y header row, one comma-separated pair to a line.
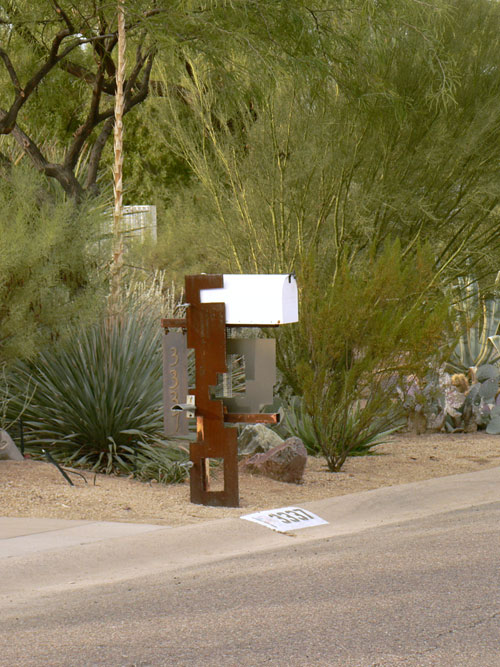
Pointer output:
x,y
256,300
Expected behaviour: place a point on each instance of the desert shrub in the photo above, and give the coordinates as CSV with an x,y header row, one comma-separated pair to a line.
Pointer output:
x,y
48,274
357,336
364,436
97,399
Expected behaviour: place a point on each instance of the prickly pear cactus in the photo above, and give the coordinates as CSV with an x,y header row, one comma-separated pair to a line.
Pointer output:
x,y
493,427
482,395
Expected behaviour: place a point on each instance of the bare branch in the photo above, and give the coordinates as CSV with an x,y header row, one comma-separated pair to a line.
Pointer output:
x,y
8,122
139,64
103,47
96,152
64,16
64,176
76,29
68,66
78,71
85,130
105,114
140,96
83,73
144,86
11,71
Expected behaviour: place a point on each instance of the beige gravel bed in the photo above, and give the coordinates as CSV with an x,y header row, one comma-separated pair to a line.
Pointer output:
x,y
36,489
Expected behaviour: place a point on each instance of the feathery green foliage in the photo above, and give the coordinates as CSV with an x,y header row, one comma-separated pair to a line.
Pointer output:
x,y
325,169
354,341
308,140
48,275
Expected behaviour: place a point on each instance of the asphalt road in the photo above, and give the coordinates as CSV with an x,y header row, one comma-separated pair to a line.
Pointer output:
x,y
417,593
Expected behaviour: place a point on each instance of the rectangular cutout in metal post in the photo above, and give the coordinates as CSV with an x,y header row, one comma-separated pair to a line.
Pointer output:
x,y
260,373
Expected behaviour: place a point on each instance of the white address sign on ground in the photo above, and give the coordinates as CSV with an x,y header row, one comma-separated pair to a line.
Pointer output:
x,y
285,519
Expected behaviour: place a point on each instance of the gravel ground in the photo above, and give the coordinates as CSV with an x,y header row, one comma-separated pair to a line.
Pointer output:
x,y
36,489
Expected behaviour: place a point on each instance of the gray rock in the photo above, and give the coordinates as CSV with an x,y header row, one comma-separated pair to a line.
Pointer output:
x,y
285,463
256,439
8,450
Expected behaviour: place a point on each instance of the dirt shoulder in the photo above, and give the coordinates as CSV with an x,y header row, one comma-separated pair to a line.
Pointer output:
x,y
36,489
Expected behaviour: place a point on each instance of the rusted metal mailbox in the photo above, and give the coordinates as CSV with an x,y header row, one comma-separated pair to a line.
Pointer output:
x,y
214,303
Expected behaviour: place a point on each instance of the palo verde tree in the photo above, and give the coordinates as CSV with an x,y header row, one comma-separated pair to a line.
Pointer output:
x,y
390,159
57,78
58,82
398,138
58,87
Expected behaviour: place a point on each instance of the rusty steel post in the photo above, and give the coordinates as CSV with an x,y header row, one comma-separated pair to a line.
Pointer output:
x,y
206,333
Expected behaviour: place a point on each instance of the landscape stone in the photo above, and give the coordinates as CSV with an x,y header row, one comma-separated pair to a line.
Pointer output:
x,y
8,450
284,463
256,439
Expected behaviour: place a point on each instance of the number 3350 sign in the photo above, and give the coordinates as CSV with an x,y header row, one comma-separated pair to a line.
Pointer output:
x,y
286,518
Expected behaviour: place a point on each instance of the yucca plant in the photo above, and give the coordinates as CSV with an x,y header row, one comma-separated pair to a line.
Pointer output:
x,y
100,389
97,400
163,462
10,395
298,423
